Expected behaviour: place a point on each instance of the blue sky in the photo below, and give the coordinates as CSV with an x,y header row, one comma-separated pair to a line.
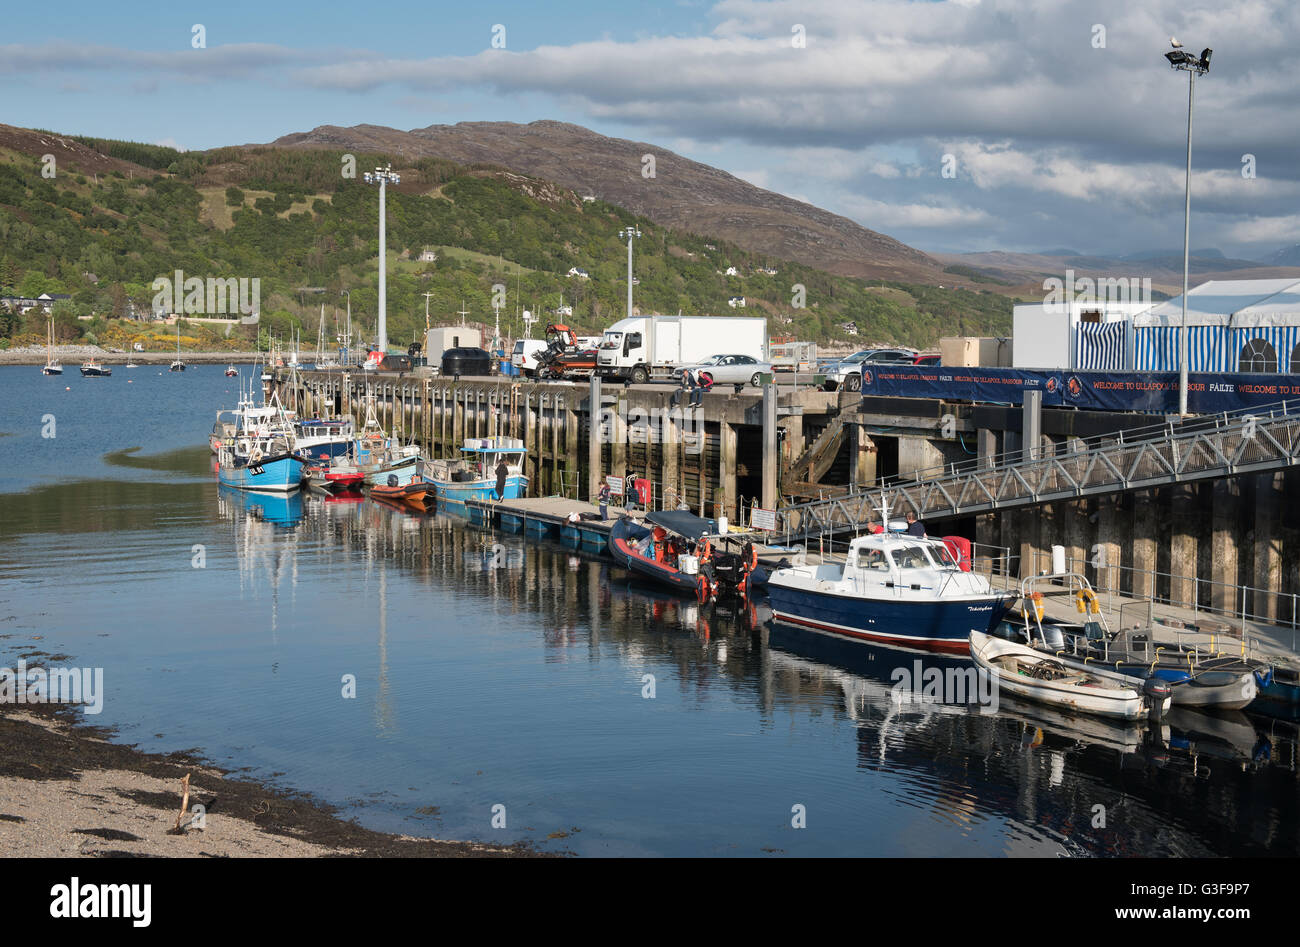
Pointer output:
x,y
1064,126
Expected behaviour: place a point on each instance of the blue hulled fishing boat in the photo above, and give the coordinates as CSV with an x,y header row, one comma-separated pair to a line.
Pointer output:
x,y
478,475
894,588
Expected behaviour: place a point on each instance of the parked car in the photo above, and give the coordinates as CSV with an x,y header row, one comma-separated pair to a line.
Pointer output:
x,y
466,360
738,370
930,360
848,371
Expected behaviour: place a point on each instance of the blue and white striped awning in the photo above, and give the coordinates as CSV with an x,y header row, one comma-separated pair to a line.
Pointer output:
x,y
1212,348
1100,346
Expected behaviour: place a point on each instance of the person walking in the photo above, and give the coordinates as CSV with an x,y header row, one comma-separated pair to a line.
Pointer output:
x,y
603,498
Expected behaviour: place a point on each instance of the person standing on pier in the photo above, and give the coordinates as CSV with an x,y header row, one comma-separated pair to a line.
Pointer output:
x,y
503,471
603,498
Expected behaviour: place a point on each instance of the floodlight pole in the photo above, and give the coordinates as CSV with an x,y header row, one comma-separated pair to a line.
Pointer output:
x,y
382,176
1187,234
1193,67
630,233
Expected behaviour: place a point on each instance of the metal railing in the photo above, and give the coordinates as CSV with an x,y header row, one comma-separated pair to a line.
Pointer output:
x,y
1221,445
1117,580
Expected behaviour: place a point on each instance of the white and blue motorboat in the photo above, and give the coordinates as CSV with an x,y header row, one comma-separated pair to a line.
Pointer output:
x,y
322,439
475,475
894,588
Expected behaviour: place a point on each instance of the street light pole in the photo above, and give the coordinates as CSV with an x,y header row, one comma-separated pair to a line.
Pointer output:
x,y
630,233
1193,67
383,176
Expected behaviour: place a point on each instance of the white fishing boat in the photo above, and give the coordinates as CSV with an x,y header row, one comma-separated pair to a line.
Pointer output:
x,y
1028,673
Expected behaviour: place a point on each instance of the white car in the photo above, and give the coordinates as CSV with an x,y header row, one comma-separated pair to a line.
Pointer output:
x,y
524,356
738,370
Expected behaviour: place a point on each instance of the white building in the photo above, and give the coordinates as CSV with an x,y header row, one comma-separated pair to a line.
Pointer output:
x,y
579,273
736,302
1232,326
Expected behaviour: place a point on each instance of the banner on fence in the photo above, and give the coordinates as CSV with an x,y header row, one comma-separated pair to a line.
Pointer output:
x,y
1156,392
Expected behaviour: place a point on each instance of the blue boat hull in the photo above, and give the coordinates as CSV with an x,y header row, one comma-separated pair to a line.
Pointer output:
x,y
934,625
516,487
279,475
403,470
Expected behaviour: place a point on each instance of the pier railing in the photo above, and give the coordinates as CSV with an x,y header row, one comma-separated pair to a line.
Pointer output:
x,y
1200,448
1241,603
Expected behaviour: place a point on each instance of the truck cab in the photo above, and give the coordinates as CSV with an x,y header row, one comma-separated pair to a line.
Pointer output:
x,y
622,352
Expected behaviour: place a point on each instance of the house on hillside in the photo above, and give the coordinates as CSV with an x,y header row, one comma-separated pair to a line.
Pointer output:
x,y
731,271
767,270
428,256
578,272
736,302
850,328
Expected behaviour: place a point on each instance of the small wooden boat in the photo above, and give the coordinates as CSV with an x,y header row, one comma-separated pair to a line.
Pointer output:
x,y
1028,673
1199,676
334,481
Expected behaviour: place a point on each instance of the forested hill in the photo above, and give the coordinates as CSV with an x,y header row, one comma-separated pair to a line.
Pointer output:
x,y
117,215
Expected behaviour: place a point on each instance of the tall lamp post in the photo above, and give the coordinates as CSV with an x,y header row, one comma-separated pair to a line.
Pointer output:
x,y
1194,67
383,177
629,234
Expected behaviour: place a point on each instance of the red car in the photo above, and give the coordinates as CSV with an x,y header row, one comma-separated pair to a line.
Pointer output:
x,y
930,360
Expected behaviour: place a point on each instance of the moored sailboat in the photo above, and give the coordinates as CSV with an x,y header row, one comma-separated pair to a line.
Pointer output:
x,y
52,366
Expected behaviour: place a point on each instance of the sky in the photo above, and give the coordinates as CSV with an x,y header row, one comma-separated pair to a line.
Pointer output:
x,y
954,126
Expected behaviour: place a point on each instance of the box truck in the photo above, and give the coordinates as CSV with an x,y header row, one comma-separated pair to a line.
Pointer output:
x,y
645,347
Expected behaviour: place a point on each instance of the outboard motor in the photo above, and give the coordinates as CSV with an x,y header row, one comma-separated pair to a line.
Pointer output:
x,y
392,480
1155,691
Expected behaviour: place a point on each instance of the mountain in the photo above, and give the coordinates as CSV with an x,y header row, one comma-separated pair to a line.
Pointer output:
x,y
1287,256
117,215
683,194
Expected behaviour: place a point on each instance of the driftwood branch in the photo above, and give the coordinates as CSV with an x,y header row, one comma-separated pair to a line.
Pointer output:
x,y
185,802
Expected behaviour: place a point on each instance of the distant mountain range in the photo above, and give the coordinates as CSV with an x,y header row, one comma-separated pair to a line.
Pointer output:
x,y
682,194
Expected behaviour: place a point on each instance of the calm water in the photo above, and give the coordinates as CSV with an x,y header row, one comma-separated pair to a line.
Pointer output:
x,y
520,684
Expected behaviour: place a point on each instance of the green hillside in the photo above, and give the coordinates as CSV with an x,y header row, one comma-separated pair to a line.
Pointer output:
x,y
291,219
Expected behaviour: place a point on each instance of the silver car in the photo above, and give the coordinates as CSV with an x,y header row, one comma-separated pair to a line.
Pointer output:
x,y
848,371
738,370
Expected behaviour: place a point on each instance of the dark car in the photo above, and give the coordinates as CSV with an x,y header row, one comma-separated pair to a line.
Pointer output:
x,y
930,360
466,361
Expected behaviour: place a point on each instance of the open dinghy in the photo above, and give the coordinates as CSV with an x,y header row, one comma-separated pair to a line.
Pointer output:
x,y
1026,672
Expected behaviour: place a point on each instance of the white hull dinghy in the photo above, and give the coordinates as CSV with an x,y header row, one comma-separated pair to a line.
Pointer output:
x,y
1028,673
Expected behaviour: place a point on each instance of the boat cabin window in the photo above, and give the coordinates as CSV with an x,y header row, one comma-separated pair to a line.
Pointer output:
x,y
911,557
943,556
873,559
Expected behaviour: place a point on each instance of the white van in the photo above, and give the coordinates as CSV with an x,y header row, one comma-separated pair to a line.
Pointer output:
x,y
524,357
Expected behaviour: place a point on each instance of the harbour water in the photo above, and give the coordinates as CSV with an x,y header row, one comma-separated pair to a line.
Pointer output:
x,y
497,671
